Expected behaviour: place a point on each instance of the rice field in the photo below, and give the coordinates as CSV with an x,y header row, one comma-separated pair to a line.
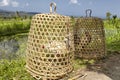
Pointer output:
x,y
10,27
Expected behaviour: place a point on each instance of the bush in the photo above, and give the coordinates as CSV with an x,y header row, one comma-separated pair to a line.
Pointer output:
x,y
14,70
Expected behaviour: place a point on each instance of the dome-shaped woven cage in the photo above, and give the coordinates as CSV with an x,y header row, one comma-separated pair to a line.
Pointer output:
x,y
50,46
89,37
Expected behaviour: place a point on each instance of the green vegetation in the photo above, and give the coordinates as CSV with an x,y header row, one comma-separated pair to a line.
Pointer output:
x,y
10,27
112,33
14,70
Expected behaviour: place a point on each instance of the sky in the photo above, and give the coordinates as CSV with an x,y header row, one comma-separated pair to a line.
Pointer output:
x,y
64,7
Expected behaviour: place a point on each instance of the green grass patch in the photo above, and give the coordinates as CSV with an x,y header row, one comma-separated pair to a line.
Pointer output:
x,y
11,27
82,63
112,34
14,70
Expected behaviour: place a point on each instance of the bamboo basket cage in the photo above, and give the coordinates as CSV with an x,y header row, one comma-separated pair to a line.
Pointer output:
x,y
50,46
89,37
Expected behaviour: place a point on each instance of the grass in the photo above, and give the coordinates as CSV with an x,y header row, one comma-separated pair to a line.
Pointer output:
x,y
14,70
112,33
10,27
82,63
113,42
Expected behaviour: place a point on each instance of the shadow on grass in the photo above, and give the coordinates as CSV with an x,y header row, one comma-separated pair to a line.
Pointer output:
x,y
114,45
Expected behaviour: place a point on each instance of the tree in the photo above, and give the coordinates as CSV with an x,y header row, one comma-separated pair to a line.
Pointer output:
x,y
17,15
25,17
114,21
30,17
114,17
108,14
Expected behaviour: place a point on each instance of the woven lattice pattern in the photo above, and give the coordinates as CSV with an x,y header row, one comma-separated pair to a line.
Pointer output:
x,y
89,39
50,46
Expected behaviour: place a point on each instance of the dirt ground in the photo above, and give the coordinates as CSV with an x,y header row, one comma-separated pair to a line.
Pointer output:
x,y
107,68
110,66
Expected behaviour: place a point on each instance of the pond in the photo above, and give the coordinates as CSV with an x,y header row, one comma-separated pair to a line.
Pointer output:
x,y
13,46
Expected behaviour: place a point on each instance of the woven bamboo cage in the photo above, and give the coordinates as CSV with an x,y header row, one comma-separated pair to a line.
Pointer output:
x,y
50,46
89,37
